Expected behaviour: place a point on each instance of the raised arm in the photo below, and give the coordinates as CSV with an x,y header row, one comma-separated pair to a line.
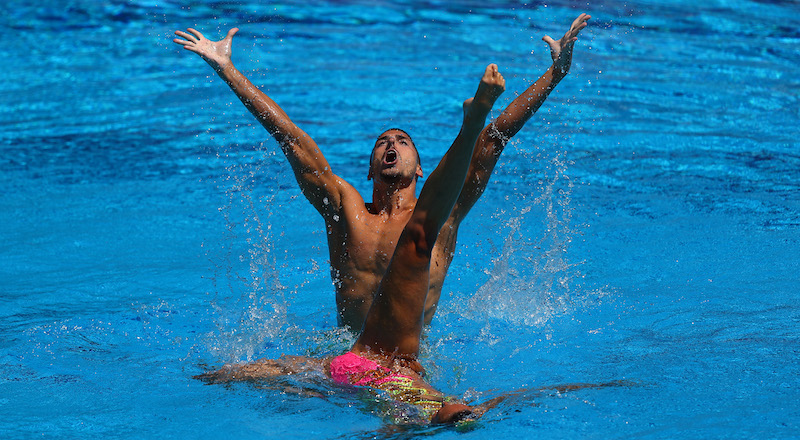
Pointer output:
x,y
445,182
496,135
394,321
310,167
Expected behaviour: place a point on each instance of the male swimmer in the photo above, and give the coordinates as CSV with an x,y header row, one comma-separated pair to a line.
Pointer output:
x,y
384,356
362,236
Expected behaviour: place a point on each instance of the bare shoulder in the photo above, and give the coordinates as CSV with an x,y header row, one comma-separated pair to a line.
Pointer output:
x,y
336,196
348,192
349,201
345,213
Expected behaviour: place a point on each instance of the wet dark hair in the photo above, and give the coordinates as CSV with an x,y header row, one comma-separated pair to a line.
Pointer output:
x,y
419,161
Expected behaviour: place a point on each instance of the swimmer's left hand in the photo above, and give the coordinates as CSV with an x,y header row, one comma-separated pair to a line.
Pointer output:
x,y
561,50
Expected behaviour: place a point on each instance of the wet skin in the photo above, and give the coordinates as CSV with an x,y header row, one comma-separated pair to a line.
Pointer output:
x,y
362,235
389,257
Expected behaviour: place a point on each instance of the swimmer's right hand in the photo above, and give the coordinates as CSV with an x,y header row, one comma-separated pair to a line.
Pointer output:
x,y
216,53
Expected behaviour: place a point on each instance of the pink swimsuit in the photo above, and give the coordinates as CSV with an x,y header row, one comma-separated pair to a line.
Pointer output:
x,y
352,369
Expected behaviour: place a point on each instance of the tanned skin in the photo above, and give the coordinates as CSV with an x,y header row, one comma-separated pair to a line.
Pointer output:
x,y
362,236
393,326
390,256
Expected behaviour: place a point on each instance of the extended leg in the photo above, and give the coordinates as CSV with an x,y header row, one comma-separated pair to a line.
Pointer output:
x,y
263,369
391,333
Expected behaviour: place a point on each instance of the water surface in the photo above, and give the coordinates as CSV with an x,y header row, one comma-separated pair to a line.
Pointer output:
x,y
642,228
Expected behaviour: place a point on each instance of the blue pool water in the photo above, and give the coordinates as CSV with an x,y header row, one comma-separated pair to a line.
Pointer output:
x,y
643,228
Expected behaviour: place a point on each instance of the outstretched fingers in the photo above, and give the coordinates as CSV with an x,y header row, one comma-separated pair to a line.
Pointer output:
x,y
581,20
561,50
578,26
196,33
572,34
189,41
215,53
186,38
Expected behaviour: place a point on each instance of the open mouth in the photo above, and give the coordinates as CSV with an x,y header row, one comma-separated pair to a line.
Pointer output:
x,y
390,157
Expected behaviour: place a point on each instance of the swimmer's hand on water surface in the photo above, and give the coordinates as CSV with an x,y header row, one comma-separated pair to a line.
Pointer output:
x,y
216,53
561,50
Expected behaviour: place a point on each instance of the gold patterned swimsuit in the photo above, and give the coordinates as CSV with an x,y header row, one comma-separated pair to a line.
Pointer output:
x,y
352,369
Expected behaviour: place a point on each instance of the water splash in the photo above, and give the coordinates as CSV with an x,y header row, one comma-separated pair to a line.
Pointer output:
x,y
533,279
251,306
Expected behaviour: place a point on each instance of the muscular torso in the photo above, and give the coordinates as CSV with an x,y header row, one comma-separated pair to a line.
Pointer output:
x,y
361,243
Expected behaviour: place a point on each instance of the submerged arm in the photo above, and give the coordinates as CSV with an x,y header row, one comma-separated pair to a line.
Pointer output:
x,y
310,167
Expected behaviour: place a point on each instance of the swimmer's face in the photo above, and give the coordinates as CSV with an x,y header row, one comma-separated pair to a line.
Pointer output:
x,y
394,157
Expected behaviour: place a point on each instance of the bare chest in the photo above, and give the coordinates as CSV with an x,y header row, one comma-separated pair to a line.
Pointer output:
x,y
370,243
